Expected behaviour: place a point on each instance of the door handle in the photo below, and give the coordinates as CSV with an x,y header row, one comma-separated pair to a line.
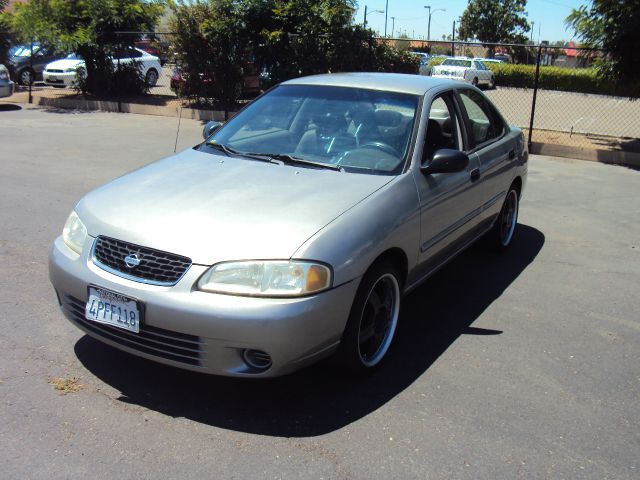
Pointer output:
x,y
512,154
475,174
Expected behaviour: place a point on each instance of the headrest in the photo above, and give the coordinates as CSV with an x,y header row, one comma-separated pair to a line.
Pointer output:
x,y
330,122
388,118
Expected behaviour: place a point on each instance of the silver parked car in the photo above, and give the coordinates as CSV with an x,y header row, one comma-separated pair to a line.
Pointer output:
x,y
6,85
292,232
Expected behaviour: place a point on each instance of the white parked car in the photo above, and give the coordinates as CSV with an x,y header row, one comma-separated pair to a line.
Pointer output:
x,y
64,73
468,70
488,60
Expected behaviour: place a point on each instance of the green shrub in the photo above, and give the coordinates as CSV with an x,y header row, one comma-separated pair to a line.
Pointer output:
x,y
581,80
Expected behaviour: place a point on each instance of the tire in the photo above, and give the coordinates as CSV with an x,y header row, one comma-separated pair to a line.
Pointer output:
x,y
151,79
474,82
374,315
500,237
492,83
25,77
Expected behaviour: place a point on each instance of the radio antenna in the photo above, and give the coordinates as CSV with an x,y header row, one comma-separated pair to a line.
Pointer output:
x,y
175,147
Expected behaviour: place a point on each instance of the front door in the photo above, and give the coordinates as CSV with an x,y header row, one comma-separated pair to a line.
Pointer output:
x,y
449,202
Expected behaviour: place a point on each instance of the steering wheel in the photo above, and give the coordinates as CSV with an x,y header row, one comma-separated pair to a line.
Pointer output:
x,y
385,147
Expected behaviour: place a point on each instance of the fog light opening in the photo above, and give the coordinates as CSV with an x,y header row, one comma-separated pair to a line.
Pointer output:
x,y
256,359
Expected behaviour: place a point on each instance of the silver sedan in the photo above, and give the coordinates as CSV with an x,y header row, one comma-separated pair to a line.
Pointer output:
x,y
294,230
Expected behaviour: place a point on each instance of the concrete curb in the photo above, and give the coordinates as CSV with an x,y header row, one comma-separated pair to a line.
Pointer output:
x,y
615,157
125,107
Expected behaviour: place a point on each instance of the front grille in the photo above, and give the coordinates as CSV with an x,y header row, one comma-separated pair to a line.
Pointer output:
x,y
175,346
155,267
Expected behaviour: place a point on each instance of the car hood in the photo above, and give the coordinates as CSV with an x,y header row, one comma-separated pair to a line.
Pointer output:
x,y
64,63
213,208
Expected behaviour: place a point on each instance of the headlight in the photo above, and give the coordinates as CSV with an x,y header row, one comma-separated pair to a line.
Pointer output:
x,y
74,233
69,70
279,278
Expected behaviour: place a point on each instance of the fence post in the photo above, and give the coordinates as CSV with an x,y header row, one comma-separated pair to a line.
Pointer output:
x,y
31,73
535,94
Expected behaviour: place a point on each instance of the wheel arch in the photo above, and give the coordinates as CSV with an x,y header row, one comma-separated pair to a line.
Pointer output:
x,y
397,257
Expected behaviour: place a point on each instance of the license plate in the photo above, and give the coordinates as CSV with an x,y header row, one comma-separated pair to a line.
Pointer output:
x,y
113,309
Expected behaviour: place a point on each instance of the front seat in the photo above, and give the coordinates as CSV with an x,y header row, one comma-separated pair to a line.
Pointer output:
x,y
328,138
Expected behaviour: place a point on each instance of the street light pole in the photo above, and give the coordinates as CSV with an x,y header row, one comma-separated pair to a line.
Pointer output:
x,y
532,24
372,11
429,23
393,25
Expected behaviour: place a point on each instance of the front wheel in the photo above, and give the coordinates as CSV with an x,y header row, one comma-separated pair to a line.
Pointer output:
x,y
501,235
373,319
26,77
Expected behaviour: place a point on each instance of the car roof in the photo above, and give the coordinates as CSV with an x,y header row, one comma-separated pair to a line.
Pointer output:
x,y
390,82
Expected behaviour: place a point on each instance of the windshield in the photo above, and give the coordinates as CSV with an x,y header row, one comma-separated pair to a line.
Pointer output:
x,y
360,130
24,51
454,62
74,56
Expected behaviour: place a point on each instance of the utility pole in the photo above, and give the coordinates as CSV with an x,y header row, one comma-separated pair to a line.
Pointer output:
x,y
453,40
386,10
532,24
393,25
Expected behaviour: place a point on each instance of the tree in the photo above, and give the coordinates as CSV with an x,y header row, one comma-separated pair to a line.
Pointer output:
x,y
612,26
217,41
4,34
88,28
211,45
495,21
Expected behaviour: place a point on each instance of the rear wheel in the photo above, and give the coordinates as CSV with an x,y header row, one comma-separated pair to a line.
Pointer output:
x,y
474,82
373,319
492,83
501,235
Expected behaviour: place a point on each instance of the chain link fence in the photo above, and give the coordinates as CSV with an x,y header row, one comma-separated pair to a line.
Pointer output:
x,y
551,92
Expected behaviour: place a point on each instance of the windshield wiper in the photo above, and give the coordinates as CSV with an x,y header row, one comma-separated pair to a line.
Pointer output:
x,y
291,160
232,152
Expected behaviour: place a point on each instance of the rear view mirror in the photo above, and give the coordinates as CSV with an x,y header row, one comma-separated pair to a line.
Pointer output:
x,y
210,128
446,160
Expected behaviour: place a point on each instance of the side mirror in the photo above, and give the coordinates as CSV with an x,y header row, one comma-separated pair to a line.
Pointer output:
x,y
446,160
210,128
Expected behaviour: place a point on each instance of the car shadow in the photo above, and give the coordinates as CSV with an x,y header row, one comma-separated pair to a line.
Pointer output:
x,y
321,398
9,107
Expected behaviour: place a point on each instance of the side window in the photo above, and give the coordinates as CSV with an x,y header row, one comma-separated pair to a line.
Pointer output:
x,y
442,127
485,124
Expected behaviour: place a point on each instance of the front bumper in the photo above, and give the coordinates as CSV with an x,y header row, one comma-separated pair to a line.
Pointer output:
x,y
201,331
63,79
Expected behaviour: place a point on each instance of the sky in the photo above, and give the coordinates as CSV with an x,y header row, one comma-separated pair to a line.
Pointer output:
x,y
411,17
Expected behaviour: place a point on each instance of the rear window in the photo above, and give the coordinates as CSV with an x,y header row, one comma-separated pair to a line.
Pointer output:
x,y
454,62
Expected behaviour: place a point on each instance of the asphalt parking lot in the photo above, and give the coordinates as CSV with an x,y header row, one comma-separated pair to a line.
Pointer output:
x,y
525,365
